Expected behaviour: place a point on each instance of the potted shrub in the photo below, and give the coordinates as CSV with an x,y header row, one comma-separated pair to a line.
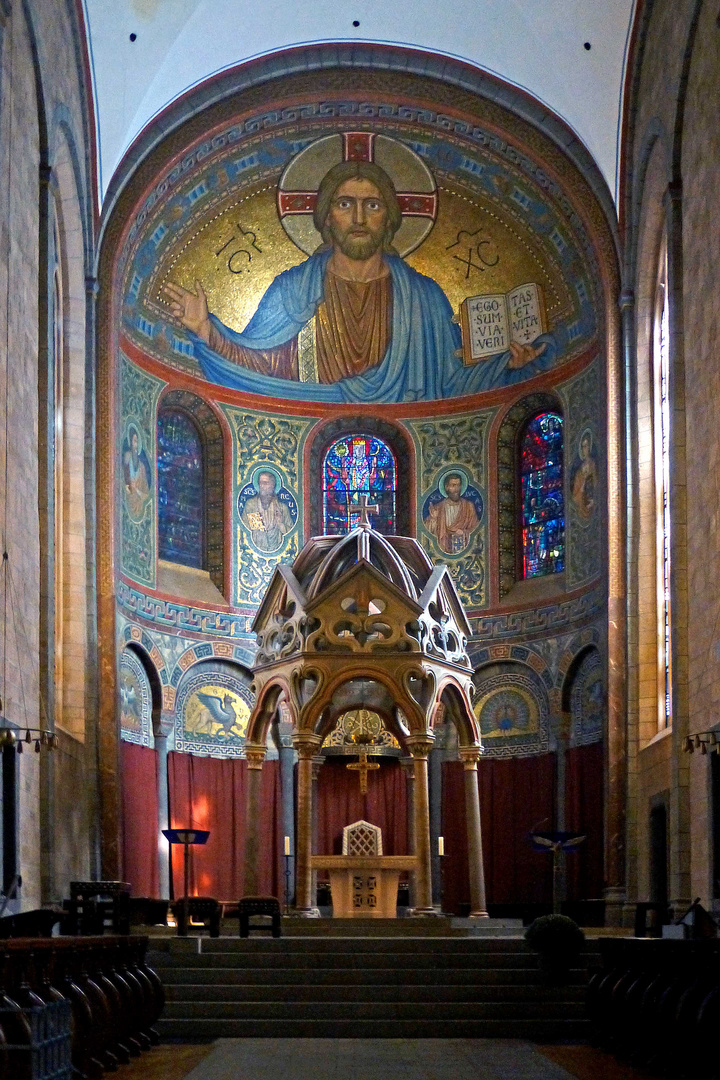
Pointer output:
x,y
557,940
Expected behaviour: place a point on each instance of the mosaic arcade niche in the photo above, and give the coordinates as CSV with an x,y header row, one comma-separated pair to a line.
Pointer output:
x,y
412,392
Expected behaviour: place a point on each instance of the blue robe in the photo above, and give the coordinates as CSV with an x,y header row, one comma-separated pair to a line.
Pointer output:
x,y
420,363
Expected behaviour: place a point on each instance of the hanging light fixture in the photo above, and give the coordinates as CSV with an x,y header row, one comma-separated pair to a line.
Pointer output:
x,y
703,741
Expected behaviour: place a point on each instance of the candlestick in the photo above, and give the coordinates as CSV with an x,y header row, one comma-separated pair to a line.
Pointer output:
x,y
287,845
441,845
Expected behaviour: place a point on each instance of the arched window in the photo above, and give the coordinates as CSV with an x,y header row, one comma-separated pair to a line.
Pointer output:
x,y
661,431
359,469
541,491
191,497
181,489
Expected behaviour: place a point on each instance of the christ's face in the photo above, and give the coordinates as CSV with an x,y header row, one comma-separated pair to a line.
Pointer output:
x,y
453,486
134,443
357,219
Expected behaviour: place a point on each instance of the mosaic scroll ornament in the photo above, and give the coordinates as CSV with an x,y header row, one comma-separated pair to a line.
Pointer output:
x,y
513,716
135,700
138,399
266,453
451,447
212,713
588,701
584,483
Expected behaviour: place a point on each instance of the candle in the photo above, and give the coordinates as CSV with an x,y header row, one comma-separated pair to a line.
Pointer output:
x,y
441,845
287,845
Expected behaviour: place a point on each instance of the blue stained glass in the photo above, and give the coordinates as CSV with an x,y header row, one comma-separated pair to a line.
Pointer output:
x,y
181,489
353,466
543,510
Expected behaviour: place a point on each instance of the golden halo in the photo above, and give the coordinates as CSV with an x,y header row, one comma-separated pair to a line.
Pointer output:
x,y
413,181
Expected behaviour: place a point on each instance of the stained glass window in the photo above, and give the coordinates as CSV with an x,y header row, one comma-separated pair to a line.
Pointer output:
x,y
353,466
541,481
181,489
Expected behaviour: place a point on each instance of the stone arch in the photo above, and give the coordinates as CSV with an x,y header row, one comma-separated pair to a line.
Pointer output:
x,y
206,422
401,446
214,703
154,680
512,708
509,434
458,711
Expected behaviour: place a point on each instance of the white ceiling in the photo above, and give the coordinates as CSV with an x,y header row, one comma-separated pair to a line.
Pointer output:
x,y
538,45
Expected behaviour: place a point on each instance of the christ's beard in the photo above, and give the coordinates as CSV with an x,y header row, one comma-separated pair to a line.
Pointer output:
x,y
359,246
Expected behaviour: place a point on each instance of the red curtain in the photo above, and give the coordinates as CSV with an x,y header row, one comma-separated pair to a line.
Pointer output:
x,y
584,813
210,793
515,795
140,818
340,803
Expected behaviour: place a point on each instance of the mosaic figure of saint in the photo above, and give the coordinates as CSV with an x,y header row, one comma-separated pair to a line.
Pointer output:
x,y
265,516
136,474
584,478
354,322
452,520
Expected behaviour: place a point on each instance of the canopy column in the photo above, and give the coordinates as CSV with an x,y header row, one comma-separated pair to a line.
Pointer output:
x,y
478,902
307,746
255,756
419,746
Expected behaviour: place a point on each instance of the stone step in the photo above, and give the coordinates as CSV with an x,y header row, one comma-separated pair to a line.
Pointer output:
x,y
363,944
400,991
374,1010
345,960
542,1030
311,976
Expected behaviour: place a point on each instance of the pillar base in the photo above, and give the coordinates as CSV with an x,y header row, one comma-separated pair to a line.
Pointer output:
x,y
478,915
422,913
304,913
615,902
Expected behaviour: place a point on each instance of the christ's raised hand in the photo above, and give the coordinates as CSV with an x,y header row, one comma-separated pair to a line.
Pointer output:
x,y
190,308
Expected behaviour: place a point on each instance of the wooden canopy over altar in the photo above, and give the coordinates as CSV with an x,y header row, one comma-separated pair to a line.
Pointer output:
x,y
364,621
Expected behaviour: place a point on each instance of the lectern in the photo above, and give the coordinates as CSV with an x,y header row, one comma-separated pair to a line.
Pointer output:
x,y
186,837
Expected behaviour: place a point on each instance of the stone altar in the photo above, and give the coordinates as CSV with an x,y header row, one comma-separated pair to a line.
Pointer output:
x,y
363,881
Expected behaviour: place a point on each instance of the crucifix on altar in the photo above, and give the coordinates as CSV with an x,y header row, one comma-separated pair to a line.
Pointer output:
x,y
362,765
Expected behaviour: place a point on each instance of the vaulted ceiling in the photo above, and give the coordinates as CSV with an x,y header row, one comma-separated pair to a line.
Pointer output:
x,y
145,53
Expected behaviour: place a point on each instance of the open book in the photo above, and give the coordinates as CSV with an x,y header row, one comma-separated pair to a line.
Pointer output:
x,y
490,323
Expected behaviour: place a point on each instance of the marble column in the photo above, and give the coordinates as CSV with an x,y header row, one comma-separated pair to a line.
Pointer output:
x,y
163,817
409,766
478,904
286,754
419,746
307,747
255,756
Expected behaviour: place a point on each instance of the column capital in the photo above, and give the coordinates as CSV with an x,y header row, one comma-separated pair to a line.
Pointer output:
x,y
408,764
470,755
255,755
420,745
307,744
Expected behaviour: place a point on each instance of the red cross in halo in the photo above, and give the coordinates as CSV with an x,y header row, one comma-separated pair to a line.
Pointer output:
x,y
358,146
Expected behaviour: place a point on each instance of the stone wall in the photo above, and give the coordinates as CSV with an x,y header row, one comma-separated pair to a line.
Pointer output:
x,y
45,156
670,177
